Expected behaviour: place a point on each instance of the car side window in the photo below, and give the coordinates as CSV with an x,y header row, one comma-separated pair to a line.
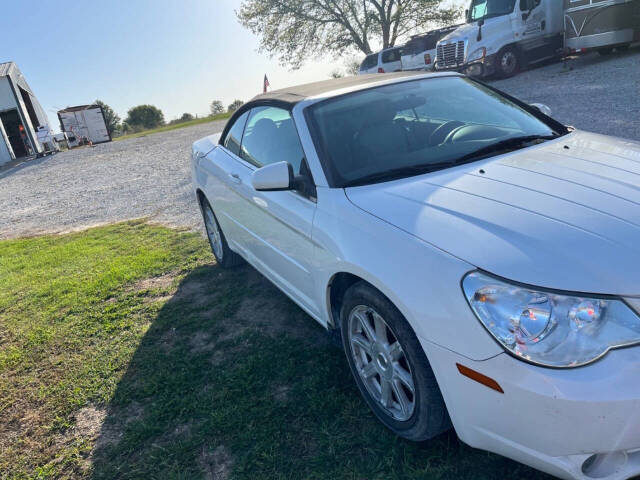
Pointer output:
x,y
391,55
270,137
234,138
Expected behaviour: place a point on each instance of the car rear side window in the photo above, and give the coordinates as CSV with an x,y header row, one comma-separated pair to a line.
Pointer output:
x,y
416,46
270,137
234,137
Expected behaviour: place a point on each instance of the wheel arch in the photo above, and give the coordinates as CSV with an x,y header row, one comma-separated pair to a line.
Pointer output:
x,y
200,195
338,286
522,57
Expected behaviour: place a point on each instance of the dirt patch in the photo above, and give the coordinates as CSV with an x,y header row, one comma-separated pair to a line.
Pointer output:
x,y
89,421
183,430
154,283
269,310
168,339
196,293
281,393
201,342
216,464
113,427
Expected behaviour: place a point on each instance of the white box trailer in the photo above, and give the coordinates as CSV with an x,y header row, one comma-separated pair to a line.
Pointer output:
x,y
84,124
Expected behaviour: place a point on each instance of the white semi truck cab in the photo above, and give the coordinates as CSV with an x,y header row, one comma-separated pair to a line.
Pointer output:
x,y
501,36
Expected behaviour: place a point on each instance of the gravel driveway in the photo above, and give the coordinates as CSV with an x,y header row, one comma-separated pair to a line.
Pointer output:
x,y
141,177
592,92
150,176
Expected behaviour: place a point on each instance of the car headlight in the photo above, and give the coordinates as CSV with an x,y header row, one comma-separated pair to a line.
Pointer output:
x,y
478,54
550,329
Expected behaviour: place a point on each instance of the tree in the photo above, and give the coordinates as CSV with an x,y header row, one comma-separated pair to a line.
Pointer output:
x,y
295,30
234,106
216,107
186,117
111,117
337,73
146,116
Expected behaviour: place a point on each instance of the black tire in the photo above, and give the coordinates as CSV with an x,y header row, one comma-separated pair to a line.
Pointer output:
x,y
605,51
227,258
430,416
508,62
623,48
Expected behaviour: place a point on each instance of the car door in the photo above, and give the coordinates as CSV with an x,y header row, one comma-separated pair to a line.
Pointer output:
x,y
277,225
220,184
533,27
391,60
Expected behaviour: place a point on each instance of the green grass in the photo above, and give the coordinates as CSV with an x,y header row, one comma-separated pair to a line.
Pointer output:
x,y
125,352
174,126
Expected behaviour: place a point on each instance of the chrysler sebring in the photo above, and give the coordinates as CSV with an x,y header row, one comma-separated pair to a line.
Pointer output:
x,y
480,260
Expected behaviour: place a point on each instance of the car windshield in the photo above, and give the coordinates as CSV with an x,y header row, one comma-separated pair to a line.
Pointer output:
x,y
416,126
489,8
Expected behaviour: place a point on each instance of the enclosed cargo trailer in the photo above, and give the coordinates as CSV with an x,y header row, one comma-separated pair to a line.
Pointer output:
x,y
86,124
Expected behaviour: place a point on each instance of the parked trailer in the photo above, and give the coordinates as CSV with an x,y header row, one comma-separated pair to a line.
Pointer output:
x,y
601,24
85,124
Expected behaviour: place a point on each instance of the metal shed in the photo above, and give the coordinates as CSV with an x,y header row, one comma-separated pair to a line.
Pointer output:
x,y
21,116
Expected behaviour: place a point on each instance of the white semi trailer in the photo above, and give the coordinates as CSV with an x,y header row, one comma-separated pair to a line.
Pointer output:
x,y
501,36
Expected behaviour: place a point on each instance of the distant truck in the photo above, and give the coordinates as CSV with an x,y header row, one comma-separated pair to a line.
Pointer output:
x,y
84,124
501,36
601,24
419,53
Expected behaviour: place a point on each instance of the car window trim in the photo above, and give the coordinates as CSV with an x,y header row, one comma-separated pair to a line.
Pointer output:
x,y
251,106
233,124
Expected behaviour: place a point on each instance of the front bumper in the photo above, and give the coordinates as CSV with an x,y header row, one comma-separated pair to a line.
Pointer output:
x,y
481,68
578,423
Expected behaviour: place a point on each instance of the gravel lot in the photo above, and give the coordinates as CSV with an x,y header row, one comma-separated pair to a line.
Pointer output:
x,y
141,177
149,176
592,92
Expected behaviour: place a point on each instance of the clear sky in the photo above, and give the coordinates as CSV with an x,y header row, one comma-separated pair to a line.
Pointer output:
x,y
176,54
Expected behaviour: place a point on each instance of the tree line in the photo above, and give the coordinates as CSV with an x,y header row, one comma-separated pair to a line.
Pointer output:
x,y
146,117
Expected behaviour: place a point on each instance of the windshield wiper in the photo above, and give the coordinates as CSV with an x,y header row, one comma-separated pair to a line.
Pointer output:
x,y
397,173
507,145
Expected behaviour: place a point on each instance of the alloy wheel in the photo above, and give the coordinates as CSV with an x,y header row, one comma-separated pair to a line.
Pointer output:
x,y
381,363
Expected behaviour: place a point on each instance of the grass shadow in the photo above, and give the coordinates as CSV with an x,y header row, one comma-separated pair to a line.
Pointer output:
x,y
232,380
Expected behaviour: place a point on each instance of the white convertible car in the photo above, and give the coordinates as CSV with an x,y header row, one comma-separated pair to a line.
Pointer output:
x,y
480,260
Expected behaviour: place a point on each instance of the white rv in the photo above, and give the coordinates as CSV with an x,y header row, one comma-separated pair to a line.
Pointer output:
x,y
501,36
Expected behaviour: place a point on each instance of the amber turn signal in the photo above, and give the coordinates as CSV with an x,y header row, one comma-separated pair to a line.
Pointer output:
x,y
480,378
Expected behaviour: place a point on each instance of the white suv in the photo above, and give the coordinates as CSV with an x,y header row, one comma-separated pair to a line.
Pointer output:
x,y
386,61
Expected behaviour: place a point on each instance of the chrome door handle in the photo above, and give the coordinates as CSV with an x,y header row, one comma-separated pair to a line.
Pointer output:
x,y
235,178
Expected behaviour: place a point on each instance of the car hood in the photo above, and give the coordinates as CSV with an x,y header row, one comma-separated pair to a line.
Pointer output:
x,y
564,214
